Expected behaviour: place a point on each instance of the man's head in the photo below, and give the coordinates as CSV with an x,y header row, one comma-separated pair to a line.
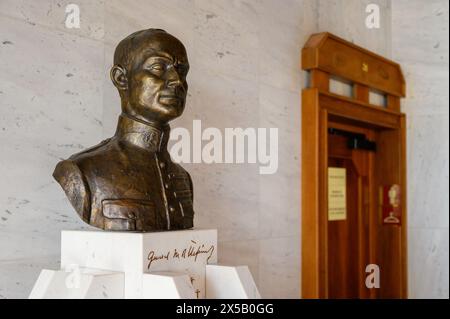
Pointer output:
x,y
150,68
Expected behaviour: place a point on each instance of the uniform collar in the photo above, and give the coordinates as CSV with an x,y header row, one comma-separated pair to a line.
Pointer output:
x,y
142,134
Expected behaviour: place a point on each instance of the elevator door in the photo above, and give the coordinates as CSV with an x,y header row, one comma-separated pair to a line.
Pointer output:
x,y
349,234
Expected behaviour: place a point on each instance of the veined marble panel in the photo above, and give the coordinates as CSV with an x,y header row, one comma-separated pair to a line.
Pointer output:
x,y
428,263
347,19
428,171
52,14
279,267
420,45
52,105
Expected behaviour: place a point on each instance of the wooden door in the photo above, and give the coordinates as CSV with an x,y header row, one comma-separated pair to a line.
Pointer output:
x,y
335,253
349,237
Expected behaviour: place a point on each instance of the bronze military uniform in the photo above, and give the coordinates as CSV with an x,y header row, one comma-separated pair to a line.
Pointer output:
x,y
128,182
145,189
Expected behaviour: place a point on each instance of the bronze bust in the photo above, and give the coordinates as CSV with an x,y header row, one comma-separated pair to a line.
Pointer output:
x,y
128,182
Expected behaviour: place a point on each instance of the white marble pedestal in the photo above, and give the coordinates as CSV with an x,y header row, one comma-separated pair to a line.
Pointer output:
x,y
100,264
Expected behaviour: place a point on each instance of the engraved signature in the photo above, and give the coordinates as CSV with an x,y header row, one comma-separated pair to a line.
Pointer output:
x,y
193,251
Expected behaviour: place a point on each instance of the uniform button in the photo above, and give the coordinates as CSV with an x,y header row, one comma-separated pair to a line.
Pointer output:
x,y
171,209
162,164
166,185
131,215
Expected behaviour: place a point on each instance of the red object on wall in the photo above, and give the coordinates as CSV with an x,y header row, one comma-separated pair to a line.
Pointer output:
x,y
391,205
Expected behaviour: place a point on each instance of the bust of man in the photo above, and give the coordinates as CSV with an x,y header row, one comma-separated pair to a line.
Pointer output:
x,y
128,182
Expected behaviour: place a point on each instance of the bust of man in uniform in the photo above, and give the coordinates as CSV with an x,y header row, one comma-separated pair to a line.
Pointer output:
x,y
128,182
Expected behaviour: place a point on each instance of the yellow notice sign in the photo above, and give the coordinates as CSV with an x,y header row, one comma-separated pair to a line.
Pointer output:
x,y
337,197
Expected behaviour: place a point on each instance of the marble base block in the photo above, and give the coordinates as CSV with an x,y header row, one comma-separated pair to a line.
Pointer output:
x,y
78,283
230,282
184,251
158,265
168,285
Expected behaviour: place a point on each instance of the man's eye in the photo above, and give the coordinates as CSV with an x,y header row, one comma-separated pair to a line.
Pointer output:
x,y
157,67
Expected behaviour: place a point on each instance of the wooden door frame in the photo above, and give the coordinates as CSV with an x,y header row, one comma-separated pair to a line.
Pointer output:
x,y
326,55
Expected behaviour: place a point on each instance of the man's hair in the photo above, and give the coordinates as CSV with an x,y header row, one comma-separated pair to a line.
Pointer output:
x,y
123,53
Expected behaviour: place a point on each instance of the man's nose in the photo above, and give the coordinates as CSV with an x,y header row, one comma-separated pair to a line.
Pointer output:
x,y
173,78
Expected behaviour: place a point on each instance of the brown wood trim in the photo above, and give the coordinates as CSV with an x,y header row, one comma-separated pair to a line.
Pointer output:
x,y
320,80
323,204
358,102
310,194
393,103
361,93
331,54
404,183
359,111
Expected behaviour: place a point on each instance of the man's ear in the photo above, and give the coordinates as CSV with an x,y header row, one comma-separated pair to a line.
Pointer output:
x,y
119,77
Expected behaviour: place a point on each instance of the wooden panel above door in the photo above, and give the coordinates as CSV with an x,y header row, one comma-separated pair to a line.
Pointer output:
x,y
331,54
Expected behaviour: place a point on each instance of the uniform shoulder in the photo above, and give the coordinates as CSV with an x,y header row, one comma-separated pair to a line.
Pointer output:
x,y
91,151
69,176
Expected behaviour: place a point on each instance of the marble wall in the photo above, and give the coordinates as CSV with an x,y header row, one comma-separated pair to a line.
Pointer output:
x,y
57,99
347,19
420,43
